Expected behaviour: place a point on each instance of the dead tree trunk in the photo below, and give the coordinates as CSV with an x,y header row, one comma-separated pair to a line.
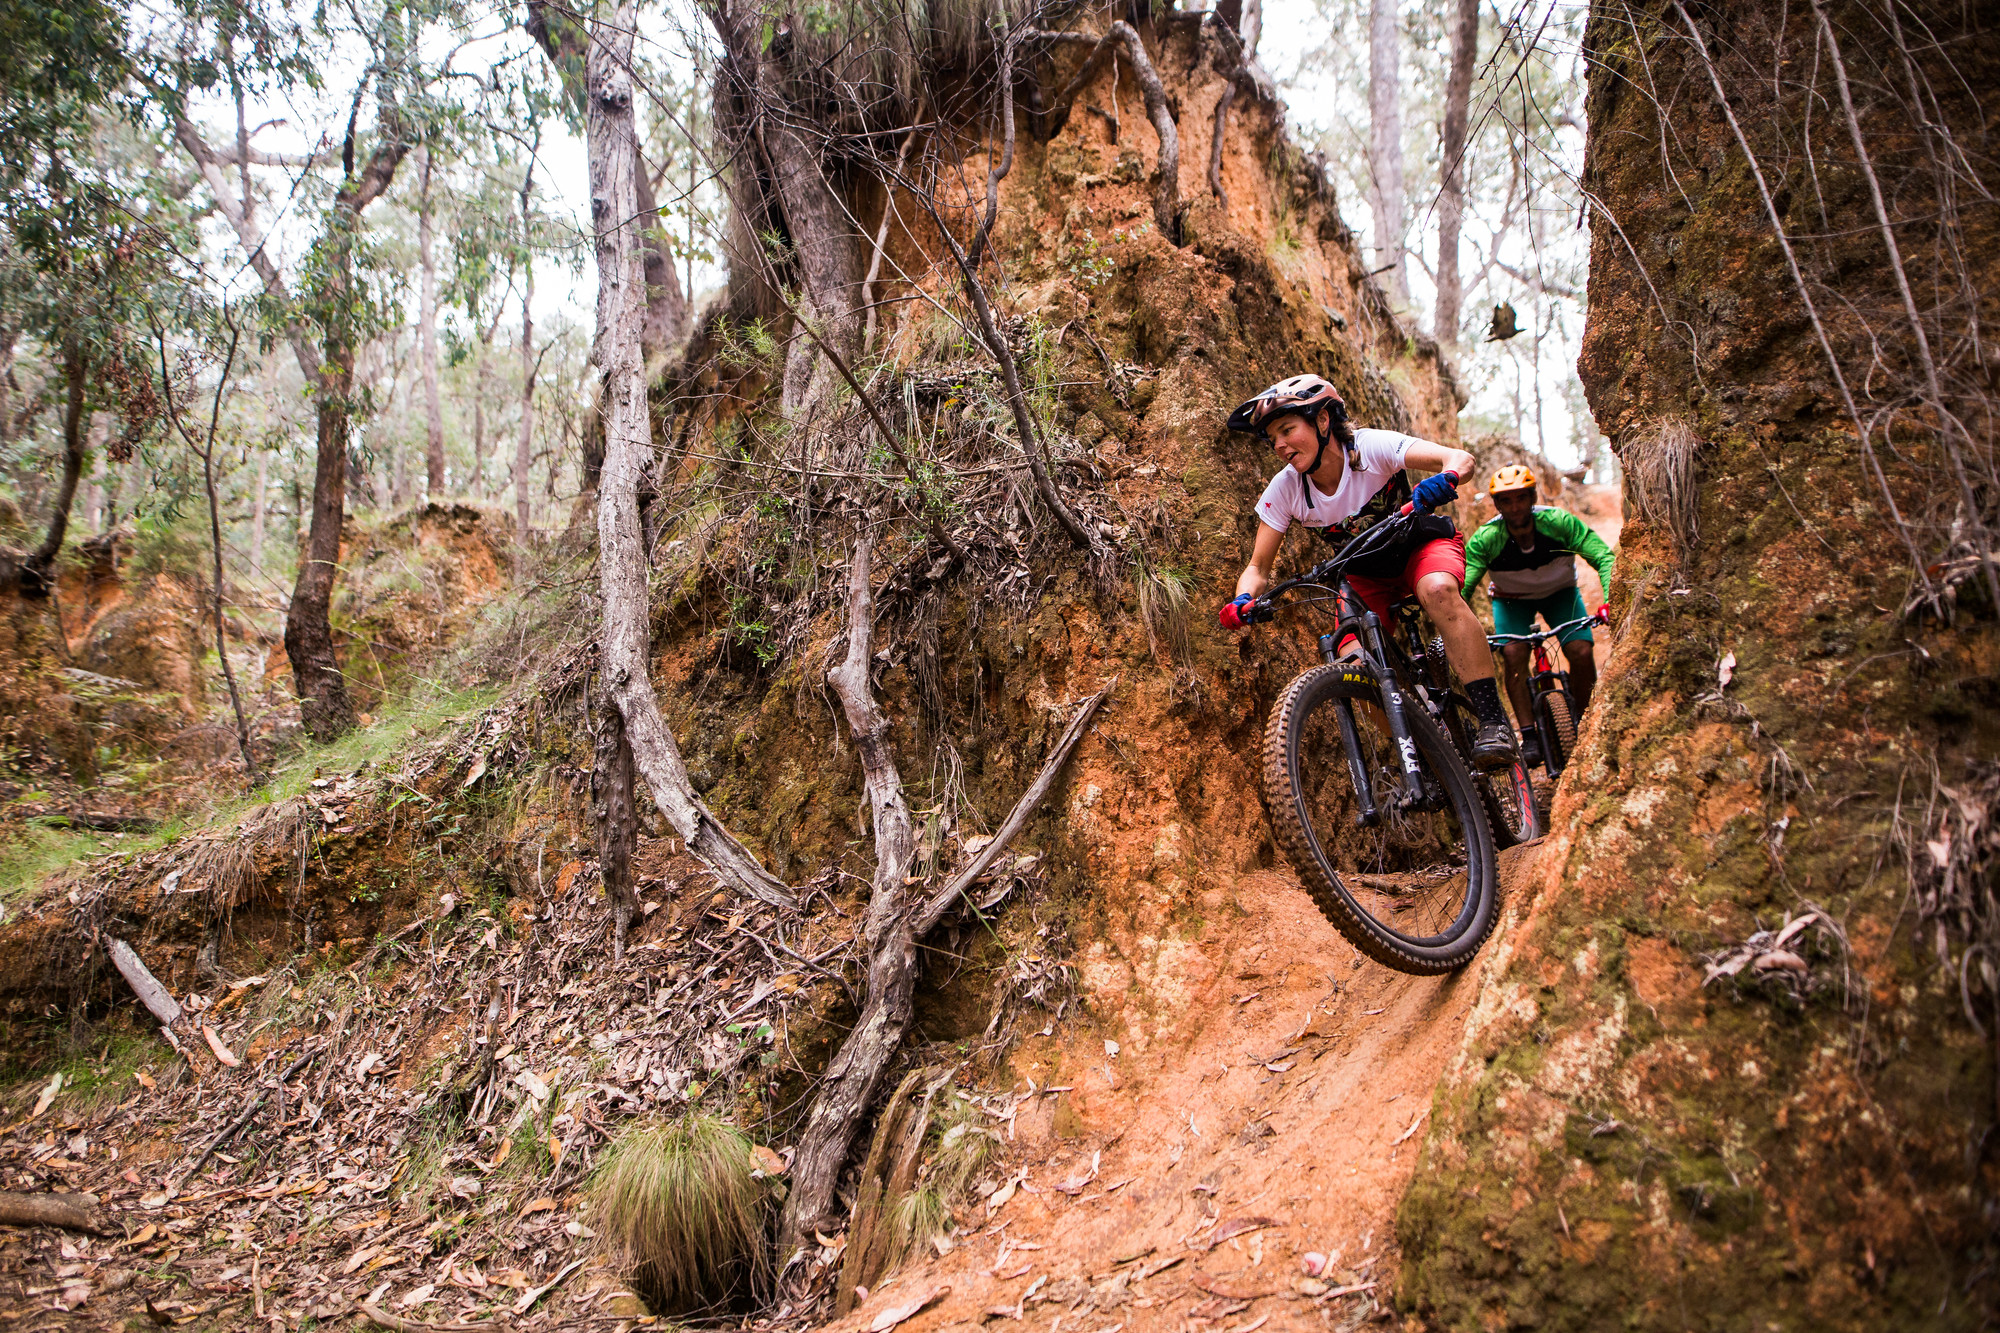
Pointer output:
x,y
613,147
36,578
897,920
1385,141
524,443
613,807
1451,190
427,322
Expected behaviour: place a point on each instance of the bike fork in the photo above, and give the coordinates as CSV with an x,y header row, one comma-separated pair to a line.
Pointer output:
x,y
1395,706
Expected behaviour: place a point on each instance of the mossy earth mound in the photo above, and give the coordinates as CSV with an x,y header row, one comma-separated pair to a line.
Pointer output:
x,y
1655,1121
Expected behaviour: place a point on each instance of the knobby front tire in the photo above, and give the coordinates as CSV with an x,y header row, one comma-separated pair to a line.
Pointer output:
x,y
1424,886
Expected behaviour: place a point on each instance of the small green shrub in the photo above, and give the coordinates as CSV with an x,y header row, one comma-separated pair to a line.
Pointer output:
x,y
680,1214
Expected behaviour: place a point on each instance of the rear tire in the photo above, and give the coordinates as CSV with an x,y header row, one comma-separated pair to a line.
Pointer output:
x,y
1511,807
1558,728
1433,869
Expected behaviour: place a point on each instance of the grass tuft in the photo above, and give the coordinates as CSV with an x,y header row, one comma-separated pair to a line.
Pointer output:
x,y
1163,607
680,1214
962,1146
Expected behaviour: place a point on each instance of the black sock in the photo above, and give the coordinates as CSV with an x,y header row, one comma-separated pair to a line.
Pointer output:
x,y
1485,697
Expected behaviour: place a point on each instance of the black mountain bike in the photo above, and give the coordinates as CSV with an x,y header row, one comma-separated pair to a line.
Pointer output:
x,y
1548,691
1368,779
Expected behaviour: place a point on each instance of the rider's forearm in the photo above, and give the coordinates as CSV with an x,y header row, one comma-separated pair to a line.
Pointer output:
x,y
1252,580
1440,458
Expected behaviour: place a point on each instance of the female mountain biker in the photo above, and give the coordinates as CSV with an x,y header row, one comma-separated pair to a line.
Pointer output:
x,y
1342,492
1530,549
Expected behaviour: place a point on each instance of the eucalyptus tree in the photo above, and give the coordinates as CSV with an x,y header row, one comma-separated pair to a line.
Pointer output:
x,y
484,273
92,235
337,300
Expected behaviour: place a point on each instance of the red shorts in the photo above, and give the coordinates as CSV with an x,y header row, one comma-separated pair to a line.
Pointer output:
x,y
1442,555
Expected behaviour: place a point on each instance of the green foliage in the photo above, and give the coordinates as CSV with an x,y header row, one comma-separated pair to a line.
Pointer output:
x,y
678,1210
1086,263
747,628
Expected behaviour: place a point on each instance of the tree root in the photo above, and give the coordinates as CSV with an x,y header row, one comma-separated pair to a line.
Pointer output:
x,y
1166,187
896,925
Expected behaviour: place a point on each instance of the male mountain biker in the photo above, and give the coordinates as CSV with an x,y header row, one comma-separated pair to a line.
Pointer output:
x,y
1340,492
1529,550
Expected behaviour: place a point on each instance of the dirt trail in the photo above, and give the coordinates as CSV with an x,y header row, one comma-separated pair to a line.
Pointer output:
x,y
1281,1111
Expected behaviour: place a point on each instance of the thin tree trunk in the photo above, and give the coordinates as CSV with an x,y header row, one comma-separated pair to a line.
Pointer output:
x,y
36,579
1451,192
215,540
257,515
93,495
427,322
613,147
614,808
1385,141
482,376
523,456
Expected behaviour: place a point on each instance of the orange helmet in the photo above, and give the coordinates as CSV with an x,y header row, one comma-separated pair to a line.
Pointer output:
x,y
1513,477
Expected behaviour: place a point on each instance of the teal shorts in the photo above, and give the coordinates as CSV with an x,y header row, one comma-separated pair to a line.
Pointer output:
x,y
1512,616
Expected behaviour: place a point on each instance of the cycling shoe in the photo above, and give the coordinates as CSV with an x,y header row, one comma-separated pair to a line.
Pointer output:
x,y
1493,746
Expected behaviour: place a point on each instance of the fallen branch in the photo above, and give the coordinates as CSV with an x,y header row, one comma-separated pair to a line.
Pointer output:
x,y
1017,818
882,231
159,1001
1032,444
375,1314
236,1126
71,1212
99,823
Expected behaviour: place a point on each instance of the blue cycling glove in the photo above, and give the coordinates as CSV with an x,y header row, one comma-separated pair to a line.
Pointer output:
x,y
1435,492
1232,615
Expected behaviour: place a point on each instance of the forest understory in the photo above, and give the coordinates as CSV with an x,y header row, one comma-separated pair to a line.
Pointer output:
x,y
820,876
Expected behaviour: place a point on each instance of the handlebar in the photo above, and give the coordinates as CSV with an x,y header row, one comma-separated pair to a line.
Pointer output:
x,y
1382,534
1535,636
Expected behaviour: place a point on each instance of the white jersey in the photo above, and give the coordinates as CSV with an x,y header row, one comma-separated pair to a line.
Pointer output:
x,y
1382,452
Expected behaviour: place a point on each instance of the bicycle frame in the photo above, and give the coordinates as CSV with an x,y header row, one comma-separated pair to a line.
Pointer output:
x,y
1389,666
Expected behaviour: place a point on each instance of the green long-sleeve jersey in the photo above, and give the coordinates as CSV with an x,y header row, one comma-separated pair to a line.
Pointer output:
x,y
1547,568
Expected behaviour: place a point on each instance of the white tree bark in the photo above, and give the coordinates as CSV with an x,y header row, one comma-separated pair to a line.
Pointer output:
x,y
613,147
524,444
1385,142
1451,193
427,318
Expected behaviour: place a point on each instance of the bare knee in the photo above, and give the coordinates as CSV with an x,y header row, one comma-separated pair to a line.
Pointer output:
x,y
1440,595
